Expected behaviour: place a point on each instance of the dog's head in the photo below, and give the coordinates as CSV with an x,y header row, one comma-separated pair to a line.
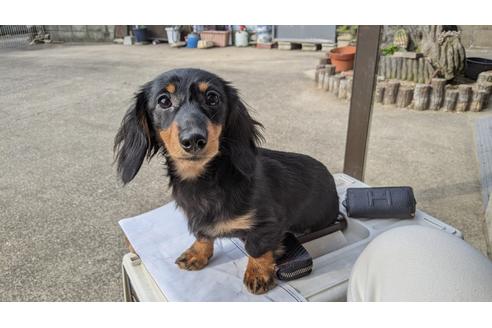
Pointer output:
x,y
193,116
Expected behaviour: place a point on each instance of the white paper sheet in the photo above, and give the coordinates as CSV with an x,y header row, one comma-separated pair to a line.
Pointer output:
x,y
161,235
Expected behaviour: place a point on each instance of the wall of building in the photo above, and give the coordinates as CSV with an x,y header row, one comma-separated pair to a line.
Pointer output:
x,y
479,36
81,33
472,35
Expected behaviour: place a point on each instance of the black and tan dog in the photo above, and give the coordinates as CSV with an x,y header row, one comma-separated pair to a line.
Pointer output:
x,y
226,185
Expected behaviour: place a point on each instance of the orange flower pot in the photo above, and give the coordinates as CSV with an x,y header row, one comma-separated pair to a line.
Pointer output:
x,y
342,58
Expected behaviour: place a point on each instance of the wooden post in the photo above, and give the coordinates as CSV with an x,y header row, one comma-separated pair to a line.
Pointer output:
x,y
382,67
430,70
464,96
415,70
390,92
420,70
478,100
399,64
405,96
437,93
427,77
404,69
387,64
485,77
487,87
421,96
410,69
329,71
350,81
342,89
365,71
319,76
393,67
450,98
317,72
379,92
324,61
336,84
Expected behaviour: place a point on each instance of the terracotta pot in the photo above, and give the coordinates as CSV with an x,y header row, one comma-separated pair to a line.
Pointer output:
x,y
342,58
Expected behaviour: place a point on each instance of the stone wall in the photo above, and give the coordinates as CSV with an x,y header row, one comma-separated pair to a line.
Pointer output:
x,y
81,33
479,36
471,35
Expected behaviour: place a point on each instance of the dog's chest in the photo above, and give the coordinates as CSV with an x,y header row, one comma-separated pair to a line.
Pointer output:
x,y
211,218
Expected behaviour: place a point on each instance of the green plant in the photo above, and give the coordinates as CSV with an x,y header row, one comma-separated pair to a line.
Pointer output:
x,y
352,29
389,49
343,28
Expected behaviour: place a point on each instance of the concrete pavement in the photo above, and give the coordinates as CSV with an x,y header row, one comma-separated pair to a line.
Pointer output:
x,y
60,200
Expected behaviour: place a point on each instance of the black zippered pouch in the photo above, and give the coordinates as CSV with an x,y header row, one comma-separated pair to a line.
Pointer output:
x,y
380,202
296,262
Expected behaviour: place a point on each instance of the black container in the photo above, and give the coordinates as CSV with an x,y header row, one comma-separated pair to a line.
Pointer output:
x,y
476,65
141,34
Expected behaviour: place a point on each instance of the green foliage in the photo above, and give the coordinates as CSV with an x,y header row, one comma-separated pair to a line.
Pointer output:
x,y
352,29
389,50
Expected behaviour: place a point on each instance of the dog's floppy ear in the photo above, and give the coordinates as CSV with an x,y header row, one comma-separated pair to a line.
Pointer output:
x,y
135,138
241,134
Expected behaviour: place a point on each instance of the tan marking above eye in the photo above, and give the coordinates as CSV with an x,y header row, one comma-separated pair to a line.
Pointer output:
x,y
202,86
171,88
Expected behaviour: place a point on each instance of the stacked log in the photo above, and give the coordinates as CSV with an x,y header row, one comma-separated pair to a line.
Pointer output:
x,y
421,96
409,70
342,89
487,87
319,75
484,77
336,84
478,100
437,93
450,98
382,67
390,92
350,80
392,68
464,95
379,94
405,96
329,71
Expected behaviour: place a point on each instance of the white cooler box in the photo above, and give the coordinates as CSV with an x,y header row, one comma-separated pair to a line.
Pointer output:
x,y
148,277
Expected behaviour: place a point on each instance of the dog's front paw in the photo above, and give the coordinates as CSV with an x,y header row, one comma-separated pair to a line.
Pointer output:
x,y
258,282
196,257
191,261
258,277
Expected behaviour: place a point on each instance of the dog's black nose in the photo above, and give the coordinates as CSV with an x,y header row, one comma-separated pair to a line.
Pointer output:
x,y
193,142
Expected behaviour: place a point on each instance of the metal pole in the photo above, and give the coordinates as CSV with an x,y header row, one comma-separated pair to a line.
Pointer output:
x,y
364,83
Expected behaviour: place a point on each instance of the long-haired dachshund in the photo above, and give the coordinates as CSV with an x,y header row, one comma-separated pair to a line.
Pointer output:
x,y
226,185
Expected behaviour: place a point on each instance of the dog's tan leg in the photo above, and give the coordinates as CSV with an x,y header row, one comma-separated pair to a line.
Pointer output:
x,y
258,277
196,257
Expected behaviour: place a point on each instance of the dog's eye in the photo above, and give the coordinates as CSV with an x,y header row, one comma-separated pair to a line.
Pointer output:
x,y
212,98
164,101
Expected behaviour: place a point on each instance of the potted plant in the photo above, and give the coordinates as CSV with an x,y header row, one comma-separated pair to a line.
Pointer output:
x,y
342,58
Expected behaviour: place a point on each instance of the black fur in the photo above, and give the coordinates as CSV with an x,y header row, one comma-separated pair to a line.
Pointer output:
x,y
285,191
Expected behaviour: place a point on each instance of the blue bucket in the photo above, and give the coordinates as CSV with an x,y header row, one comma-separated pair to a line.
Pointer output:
x,y
192,40
140,34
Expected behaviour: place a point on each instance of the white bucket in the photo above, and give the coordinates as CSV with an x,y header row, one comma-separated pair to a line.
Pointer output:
x,y
173,34
241,39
